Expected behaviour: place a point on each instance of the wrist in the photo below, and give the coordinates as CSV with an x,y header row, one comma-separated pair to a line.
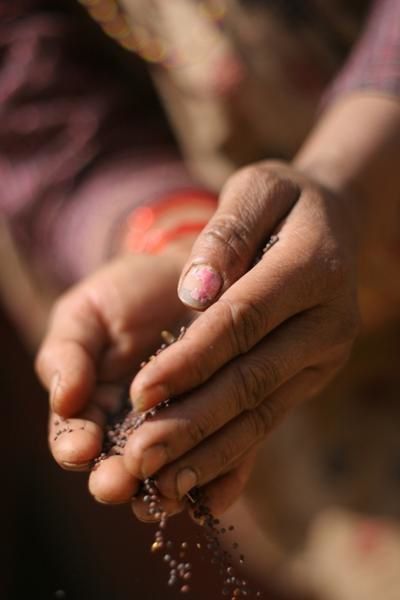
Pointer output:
x,y
354,152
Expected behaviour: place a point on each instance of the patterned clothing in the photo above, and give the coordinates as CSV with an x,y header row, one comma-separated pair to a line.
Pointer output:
x,y
83,138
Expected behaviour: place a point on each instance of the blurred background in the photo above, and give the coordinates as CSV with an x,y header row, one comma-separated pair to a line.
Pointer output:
x,y
326,494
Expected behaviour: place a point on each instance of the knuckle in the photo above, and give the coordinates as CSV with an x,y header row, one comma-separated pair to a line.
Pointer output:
x,y
245,197
258,185
199,367
193,360
244,182
226,454
251,384
196,430
233,234
272,373
269,414
261,180
247,323
257,424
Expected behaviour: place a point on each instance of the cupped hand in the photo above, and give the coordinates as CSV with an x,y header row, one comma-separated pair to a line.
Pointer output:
x,y
98,334
273,334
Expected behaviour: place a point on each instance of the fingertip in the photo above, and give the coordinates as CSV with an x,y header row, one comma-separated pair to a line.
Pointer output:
x,y
144,513
110,482
75,449
143,398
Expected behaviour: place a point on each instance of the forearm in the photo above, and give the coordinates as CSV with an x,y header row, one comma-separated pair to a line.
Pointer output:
x,y
355,151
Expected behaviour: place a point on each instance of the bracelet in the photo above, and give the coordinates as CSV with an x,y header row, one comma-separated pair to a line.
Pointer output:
x,y
157,239
141,235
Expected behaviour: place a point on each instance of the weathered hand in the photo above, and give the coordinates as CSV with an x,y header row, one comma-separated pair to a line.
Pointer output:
x,y
271,337
98,334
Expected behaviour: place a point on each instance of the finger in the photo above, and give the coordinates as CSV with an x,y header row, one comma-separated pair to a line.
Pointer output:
x,y
76,442
221,493
146,514
246,313
252,203
230,444
66,362
110,482
239,386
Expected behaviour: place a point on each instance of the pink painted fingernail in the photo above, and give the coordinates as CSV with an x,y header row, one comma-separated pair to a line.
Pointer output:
x,y
200,286
185,481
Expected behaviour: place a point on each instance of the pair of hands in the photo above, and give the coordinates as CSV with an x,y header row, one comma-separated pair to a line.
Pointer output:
x,y
273,337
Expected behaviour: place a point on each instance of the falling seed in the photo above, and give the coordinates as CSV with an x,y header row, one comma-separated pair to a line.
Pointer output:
x,y
168,337
117,433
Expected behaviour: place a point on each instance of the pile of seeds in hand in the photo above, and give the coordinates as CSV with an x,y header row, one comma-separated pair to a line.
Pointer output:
x,y
176,555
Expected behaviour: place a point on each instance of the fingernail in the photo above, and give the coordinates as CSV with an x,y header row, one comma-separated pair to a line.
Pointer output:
x,y
200,286
149,397
141,512
153,459
108,503
54,386
185,481
76,466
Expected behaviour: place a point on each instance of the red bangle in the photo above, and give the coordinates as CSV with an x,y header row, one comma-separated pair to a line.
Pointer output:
x,y
140,233
155,240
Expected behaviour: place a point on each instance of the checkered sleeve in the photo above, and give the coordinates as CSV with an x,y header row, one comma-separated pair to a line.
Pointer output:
x,y
374,63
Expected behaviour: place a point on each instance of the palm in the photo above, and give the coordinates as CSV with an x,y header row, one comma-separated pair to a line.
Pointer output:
x,y
99,333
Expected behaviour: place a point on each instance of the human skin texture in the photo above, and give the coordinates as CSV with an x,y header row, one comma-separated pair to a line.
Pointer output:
x,y
272,336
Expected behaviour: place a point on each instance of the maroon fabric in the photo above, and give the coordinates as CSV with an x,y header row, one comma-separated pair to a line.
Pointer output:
x,y
69,106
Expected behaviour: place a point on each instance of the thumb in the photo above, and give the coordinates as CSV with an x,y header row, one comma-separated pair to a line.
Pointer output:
x,y
252,203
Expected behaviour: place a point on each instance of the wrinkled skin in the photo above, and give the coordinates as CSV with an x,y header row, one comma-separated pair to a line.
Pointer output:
x,y
274,336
